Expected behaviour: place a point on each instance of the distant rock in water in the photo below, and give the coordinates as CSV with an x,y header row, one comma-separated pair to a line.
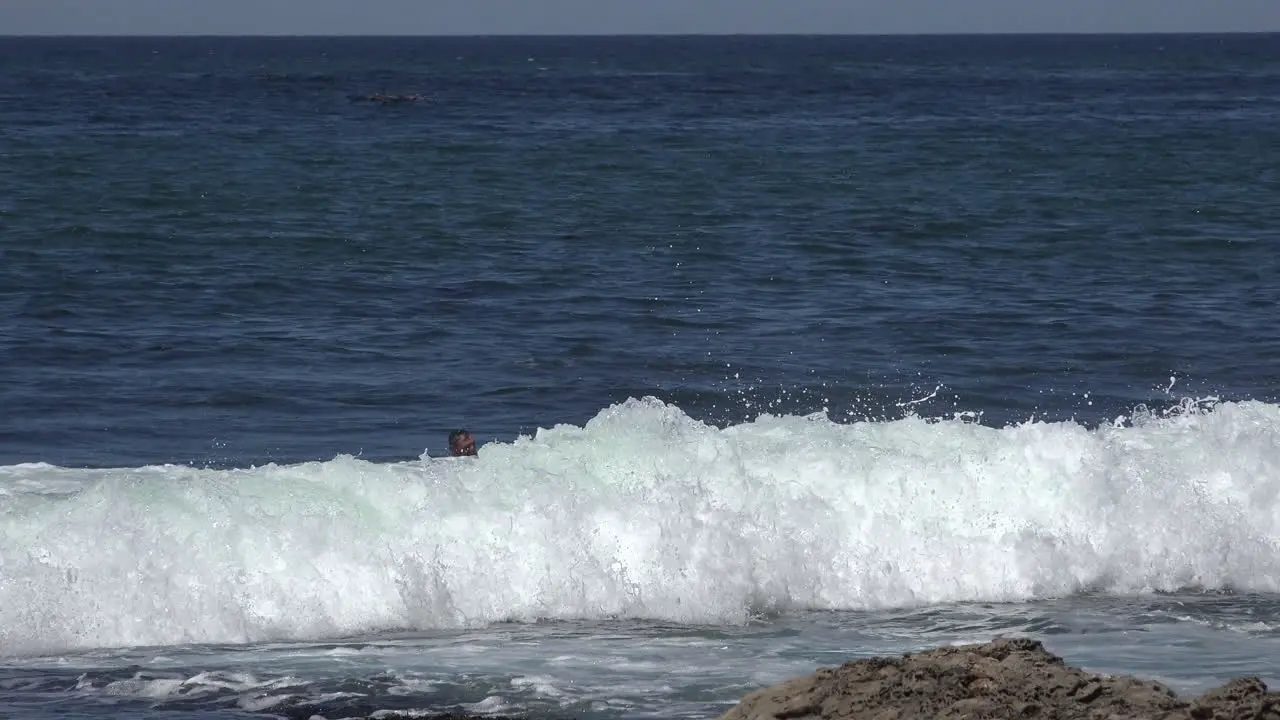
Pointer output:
x,y
1014,678
391,99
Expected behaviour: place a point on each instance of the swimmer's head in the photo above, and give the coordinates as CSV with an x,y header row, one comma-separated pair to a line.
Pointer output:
x,y
461,443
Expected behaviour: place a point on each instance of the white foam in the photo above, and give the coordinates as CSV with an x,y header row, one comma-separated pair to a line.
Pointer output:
x,y
642,512
142,687
491,705
543,685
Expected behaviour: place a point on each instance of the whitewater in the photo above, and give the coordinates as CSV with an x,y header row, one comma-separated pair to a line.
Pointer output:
x,y
643,514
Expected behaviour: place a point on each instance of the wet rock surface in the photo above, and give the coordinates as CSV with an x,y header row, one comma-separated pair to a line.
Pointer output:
x,y
1013,678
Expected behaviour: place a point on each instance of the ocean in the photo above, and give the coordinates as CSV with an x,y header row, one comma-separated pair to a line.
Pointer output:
x,y
780,352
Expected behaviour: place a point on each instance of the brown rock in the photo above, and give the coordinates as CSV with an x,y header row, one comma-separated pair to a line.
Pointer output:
x,y
1014,678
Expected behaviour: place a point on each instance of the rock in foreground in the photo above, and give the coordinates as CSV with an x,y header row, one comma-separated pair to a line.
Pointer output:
x,y
1014,678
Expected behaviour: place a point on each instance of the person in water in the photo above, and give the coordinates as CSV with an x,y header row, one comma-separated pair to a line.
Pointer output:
x,y
461,443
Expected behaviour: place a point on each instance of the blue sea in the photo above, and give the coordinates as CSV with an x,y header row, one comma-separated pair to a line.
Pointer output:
x,y
781,352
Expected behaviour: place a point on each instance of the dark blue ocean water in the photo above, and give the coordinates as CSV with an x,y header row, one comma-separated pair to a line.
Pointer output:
x,y
212,251
947,337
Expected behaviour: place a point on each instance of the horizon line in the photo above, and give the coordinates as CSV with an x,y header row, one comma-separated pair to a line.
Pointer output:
x,y
1026,33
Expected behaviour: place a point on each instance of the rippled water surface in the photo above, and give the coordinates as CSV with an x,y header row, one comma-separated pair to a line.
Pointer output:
x,y
942,338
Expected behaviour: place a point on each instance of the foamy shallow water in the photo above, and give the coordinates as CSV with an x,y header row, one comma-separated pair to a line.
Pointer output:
x,y
632,669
